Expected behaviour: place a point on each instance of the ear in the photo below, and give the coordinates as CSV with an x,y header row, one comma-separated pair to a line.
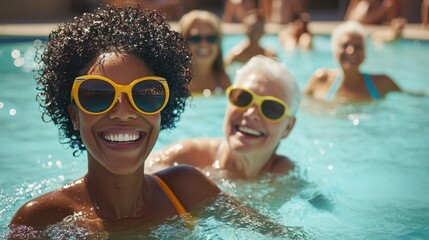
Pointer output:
x,y
74,116
289,127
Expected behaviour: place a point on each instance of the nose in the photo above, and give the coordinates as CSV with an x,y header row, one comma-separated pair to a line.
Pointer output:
x,y
204,41
123,110
350,49
252,113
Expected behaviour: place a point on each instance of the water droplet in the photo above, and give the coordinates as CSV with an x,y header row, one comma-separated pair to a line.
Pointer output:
x,y
356,122
207,92
12,112
37,43
19,62
59,164
15,53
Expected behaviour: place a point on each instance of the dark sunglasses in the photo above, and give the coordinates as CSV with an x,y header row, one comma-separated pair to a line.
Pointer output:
x,y
97,94
271,108
198,38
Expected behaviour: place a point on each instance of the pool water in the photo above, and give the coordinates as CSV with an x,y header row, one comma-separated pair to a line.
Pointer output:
x,y
363,170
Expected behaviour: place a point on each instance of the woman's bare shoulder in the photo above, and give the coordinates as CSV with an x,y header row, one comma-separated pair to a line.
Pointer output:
x,y
282,165
52,207
45,210
190,185
320,77
384,83
323,74
223,80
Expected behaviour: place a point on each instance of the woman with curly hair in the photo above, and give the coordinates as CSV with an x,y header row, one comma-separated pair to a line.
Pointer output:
x,y
111,80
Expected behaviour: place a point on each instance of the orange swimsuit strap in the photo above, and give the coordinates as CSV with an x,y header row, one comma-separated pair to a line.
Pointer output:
x,y
175,201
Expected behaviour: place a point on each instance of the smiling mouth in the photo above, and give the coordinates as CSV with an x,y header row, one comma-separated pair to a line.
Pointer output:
x,y
351,59
123,137
249,131
204,52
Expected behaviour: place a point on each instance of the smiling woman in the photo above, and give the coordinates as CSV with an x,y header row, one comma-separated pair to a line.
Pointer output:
x,y
262,105
374,191
348,83
110,97
203,32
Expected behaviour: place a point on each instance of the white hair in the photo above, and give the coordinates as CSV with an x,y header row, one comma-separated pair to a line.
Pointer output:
x,y
273,69
349,27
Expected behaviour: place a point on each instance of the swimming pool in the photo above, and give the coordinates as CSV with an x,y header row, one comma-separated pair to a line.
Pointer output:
x,y
363,169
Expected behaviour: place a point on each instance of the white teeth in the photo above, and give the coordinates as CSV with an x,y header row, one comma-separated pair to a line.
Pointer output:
x,y
122,137
350,58
249,131
203,51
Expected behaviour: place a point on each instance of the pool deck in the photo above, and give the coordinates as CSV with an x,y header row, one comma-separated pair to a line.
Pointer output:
x,y
411,31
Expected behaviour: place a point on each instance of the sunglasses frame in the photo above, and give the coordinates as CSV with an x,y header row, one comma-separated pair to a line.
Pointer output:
x,y
203,37
118,89
259,100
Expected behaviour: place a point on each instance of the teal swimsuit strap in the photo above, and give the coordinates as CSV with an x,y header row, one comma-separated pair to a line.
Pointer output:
x,y
334,87
373,92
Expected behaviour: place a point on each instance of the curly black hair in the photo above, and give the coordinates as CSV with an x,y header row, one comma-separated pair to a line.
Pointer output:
x,y
74,45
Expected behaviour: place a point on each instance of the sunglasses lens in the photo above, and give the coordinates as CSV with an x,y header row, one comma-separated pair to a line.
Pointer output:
x,y
272,109
194,39
212,38
198,38
95,95
240,98
149,95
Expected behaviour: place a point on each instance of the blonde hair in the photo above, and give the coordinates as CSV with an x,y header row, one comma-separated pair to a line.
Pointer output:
x,y
349,27
273,69
189,18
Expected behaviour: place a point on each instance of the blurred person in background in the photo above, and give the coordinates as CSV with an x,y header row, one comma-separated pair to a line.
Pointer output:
x,y
254,23
202,29
348,83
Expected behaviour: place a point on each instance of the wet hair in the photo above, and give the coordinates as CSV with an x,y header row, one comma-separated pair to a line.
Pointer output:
x,y
349,27
73,46
189,18
273,69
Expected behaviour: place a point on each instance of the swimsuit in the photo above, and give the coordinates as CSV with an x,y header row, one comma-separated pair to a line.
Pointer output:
x,y
372,90
187,217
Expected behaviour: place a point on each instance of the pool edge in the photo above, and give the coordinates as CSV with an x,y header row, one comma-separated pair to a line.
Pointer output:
x,y
411,31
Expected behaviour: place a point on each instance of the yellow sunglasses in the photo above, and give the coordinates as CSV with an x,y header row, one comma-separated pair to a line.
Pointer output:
x,y
271,108
95,94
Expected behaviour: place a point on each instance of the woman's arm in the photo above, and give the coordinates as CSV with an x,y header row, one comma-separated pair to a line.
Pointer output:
x,y
350,8
196,152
